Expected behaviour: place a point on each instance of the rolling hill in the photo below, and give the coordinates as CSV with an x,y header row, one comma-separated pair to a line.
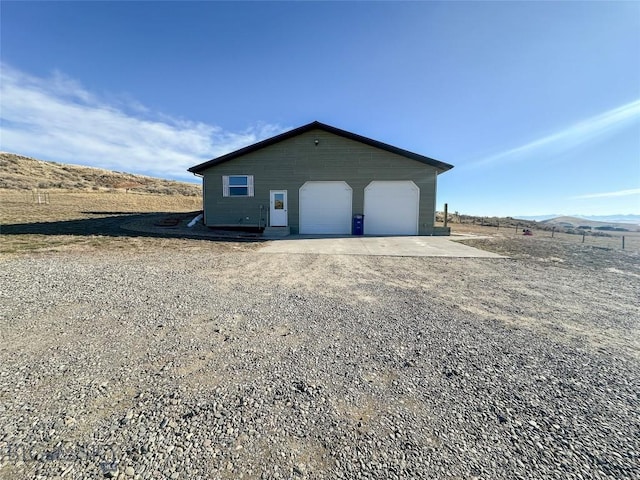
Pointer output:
x,y
25,173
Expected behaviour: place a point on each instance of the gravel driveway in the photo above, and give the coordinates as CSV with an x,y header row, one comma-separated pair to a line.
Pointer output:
x,y
217,363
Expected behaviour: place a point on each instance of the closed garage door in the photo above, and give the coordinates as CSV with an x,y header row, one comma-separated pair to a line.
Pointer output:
x,y
391,208
325,207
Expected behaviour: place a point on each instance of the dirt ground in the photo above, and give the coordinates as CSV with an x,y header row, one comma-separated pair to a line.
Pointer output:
x,y
608,241
522,367
535,260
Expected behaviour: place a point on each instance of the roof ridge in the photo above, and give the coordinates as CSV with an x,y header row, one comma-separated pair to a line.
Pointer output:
x,y
442,166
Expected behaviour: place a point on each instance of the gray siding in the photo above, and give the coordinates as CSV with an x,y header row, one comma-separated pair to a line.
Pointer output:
x,y
289,164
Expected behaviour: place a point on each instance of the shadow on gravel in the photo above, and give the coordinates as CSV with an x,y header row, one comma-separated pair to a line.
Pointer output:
x,y
129,225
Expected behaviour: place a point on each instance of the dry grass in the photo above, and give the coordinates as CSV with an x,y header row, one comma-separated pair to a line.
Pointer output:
x,y
51,206
18,207
70,216
24,173
612,241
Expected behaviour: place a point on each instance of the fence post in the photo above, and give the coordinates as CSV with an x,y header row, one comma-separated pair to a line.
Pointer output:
x,y
582,237
623,242
553,230
517,228
446,214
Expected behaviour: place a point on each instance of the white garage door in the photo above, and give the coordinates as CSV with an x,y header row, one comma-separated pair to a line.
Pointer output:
x,y
391,208
325,207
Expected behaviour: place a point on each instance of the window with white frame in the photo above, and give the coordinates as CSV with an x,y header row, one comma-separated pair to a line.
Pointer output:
x,y
237,185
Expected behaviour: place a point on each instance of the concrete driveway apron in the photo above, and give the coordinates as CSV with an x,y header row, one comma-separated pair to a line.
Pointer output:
x,y
386,246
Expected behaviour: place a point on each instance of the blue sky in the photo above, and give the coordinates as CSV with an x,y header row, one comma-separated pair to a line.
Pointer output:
x,y
537,104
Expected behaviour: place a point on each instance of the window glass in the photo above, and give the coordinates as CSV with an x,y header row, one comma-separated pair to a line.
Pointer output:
x,y
237,185
238,191
238,180
278,200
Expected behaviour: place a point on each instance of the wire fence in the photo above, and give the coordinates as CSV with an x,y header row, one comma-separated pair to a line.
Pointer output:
x,y
611,240
615,240
37,197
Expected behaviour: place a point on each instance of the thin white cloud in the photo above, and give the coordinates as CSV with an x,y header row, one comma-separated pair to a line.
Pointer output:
x,y
619,193
571,137
57,119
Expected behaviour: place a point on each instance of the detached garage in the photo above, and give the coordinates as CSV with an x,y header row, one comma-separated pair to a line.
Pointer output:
x,y
315,178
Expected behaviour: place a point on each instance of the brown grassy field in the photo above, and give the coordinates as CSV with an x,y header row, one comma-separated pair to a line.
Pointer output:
x,y
18,207
610,241
52,206
84,219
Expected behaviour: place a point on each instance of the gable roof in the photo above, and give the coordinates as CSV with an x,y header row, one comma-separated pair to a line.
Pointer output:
x,y
443,167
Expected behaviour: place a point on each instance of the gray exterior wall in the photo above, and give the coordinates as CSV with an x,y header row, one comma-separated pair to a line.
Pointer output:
x,y
287,165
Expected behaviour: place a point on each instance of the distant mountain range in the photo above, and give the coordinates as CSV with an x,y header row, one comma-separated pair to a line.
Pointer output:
x,y
632,219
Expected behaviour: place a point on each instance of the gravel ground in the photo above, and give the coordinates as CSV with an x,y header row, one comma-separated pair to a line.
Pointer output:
x,y
223,363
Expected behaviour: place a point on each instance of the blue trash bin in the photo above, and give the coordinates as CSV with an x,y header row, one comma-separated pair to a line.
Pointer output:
x,y
358,225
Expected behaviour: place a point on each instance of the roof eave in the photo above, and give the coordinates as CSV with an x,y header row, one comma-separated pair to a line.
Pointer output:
x,y
440,166
251,148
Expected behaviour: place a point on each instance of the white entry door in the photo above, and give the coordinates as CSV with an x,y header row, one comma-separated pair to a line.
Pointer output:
x,y
278,209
